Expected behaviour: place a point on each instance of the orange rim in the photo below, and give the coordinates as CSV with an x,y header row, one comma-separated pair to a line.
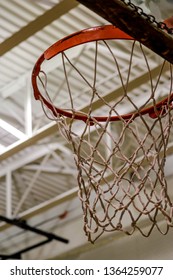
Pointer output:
x,y
106,32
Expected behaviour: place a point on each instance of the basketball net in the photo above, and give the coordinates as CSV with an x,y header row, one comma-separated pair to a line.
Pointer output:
x,y
119,140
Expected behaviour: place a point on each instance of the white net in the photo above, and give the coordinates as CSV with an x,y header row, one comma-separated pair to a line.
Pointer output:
x,y
121,157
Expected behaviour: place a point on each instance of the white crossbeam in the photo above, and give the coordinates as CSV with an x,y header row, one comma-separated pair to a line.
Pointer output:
x,y
12,130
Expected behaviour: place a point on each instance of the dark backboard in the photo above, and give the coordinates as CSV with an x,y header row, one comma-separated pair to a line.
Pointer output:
x,y
132,20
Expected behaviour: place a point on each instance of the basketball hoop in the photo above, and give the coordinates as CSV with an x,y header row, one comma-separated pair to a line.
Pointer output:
x,y
120,155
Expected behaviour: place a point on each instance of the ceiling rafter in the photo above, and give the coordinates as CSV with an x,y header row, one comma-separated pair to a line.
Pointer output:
x,y
37,153
37,24
30,186
12,130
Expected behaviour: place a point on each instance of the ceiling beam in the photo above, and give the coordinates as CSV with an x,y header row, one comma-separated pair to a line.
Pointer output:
x,y
22,144
12,130
51,169
31,157
36,25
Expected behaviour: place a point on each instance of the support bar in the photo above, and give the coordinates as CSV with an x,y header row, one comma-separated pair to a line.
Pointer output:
x,y
17,255
22,224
